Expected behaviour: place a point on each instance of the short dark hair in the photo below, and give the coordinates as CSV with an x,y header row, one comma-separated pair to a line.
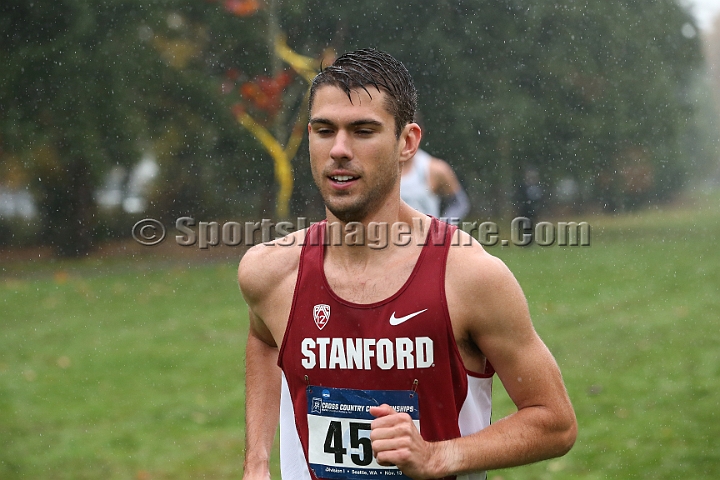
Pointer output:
x,y
370,67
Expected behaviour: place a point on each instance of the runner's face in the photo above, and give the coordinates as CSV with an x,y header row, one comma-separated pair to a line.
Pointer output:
x,y
354,153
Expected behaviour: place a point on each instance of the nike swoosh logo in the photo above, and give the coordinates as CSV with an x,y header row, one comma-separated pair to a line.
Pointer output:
x,y
398,320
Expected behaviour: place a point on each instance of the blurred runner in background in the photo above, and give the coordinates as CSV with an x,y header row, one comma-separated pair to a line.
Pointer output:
x,y
427,183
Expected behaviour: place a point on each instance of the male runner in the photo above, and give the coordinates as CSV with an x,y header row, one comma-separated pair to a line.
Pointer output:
x,y
426,181
378,363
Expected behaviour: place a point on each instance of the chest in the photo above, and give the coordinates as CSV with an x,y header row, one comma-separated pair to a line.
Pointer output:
x,y
370,285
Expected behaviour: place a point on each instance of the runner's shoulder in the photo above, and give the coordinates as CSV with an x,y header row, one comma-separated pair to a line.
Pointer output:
x,y
267,266
482,292
471,264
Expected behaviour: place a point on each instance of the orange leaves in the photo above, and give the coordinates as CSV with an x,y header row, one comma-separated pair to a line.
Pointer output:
x,y
262,95
242,8
239,8
265,93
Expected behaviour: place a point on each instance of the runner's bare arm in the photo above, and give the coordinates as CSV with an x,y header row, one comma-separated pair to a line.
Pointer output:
x,y
445,183
265,275
489,309
443,180
262,404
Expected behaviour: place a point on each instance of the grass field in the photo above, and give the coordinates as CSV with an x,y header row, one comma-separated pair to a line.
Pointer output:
x,y
132,367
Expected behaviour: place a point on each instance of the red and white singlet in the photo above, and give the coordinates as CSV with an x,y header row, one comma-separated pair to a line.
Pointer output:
x,y
338,358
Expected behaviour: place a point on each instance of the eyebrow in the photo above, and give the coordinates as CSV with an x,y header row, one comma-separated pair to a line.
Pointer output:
x,y
356,123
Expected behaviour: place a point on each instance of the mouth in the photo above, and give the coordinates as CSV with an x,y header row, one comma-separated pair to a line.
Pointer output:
x,y
343,179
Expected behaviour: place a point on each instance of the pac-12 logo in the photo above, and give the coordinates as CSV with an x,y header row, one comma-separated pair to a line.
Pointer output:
x,y
321,314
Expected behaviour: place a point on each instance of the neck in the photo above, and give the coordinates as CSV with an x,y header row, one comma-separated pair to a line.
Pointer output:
x,y
376,238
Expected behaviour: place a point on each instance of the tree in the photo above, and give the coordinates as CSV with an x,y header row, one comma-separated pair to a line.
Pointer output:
x,y
266,95
579,89
76,74
91,83
597,91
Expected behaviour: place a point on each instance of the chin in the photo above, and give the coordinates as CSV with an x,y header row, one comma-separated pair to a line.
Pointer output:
x,y
354,209
347,216
348,213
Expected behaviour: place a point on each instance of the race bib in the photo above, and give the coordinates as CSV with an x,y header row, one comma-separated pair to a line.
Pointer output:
x,y
339,430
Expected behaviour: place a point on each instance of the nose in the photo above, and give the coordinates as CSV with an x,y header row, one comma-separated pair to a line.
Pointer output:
x,y
341,148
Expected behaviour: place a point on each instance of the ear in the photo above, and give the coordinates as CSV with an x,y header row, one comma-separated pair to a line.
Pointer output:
x,y
409,141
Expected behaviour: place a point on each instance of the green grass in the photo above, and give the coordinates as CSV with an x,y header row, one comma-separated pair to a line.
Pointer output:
x,y
122,375
632,321
132,367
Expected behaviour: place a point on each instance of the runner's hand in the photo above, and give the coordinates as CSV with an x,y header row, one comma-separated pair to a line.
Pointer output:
x,y
396,441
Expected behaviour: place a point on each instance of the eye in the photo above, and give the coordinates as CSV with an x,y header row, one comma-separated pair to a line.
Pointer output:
x,y
323,130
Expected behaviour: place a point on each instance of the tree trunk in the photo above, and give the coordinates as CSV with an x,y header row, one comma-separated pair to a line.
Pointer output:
x,y
68,208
